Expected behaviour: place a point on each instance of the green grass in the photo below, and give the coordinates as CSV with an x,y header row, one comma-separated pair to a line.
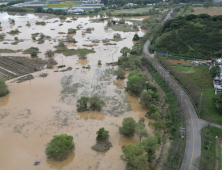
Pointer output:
x,y
220,155
69,52
123,27
30,50
137,10
184,69
62,4
8,51
208,135
204,81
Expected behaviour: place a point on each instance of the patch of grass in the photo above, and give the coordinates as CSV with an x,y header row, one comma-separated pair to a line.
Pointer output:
x,y
123,27
220,155
9,51
184,69
40,23
30,50
69,52
208,140
16,31
132,10
62,4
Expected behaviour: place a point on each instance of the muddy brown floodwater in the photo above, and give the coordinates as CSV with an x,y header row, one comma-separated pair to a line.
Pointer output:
x,y
210,11
40,108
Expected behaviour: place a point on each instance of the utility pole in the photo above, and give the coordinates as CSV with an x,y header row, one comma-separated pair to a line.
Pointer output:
x,y
201,96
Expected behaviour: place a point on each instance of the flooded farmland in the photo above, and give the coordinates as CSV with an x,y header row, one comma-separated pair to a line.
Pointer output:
x,y
210,10
40,108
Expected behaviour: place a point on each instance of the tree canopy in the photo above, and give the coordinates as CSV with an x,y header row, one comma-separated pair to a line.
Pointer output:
x,y
59,147
150,145
128,126
102,134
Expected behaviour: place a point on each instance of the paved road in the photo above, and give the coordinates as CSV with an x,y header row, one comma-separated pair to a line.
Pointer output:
x,y
193,123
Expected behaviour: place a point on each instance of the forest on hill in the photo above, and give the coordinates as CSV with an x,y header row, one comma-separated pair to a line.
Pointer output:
x,y
189,36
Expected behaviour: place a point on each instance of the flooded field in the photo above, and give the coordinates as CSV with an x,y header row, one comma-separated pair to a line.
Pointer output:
x,y
210,10
40,108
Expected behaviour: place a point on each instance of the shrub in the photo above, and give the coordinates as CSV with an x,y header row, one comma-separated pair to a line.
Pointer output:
x,y
70,39
158,136
59,147
128,127
82,104
34,54
96,103
152,109
109,24
136,37
51,62
62,17
99,62
82,54
3,88
120,73
134,156
102,134
49,53
71,31
61,44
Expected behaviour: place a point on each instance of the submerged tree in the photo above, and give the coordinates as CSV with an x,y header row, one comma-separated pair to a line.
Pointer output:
x,y
124,51
102,134
134,156
150,146
3,88
82,54
128,126
120,73
141,131
96,103
49,53
82,104
59,147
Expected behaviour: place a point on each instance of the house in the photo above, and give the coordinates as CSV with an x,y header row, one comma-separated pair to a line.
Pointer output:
x,y
76,11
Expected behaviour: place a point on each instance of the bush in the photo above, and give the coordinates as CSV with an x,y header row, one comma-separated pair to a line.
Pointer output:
x,y
136,83
34,54
136,37
62,17
51,62
96,103
61,44
49,53
120,73
134,156
128,128
59,147
71,31
102,134
82,104
82,54
70,39
99,62
3,88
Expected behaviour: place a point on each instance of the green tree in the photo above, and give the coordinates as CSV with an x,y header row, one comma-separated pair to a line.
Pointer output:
x,y
155,116
61,44
152,109
150,146
96,103
128,126
102,134
99,62
134,156
158,136
3,88
34,54
101,14
82,104
59,147
207,4
49,53
82,54
136,83
136,37
141,131
120,73
145,99
124,51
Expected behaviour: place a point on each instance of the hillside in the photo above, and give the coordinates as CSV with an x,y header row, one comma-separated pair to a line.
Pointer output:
x,y
189,36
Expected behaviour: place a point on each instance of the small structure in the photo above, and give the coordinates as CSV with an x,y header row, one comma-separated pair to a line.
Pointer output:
x,y
62,9
71,11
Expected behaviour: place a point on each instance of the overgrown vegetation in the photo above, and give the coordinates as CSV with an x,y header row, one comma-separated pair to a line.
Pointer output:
x,y
94,103
191,35
3,88
49,53
59,147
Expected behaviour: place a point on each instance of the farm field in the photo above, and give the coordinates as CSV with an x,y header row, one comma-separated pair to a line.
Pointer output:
x,y
210,11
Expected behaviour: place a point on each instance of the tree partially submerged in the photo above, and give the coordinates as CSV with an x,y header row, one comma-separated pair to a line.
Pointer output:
x,y
134,156
141,131
150,146
59,147
49,53
128,126
120,73
3,88
82,104
96,103
82,54
102,134
125,51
